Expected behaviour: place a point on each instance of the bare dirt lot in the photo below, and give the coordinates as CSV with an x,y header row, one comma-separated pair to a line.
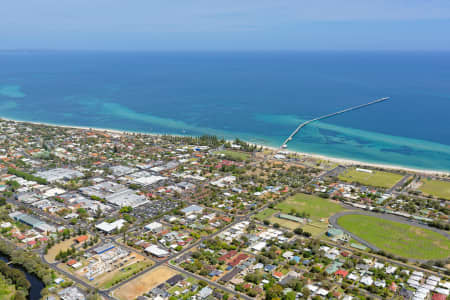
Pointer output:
x,y
143,283
64,245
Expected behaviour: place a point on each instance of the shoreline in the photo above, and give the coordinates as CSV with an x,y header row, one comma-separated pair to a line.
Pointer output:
x,y
339,160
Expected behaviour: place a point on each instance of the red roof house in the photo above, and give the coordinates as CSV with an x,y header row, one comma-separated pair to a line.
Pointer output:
x,y
341,272
277,275
438,296
71,262
81,239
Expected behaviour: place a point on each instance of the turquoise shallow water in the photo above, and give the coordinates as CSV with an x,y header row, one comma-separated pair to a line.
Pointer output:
x,y
260,97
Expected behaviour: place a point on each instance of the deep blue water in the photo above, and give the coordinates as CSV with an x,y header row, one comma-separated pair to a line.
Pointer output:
x,y
260,97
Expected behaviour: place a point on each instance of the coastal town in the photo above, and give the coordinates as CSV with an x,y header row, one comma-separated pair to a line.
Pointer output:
x,y
103,214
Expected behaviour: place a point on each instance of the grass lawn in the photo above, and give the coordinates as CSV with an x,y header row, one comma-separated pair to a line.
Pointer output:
x,y
124,273
317,207
234,155
316,229
265,214
284,223
376,178
397,238
437,188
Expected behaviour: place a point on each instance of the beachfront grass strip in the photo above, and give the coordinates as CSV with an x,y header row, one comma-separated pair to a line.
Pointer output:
x,y
265,214
376,178
437,188
317,207
125,273
235,155
397,238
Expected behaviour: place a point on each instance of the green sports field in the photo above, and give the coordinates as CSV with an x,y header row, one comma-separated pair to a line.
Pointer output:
x,y
397,238
437,188
265,214
376,179
235,155
317,207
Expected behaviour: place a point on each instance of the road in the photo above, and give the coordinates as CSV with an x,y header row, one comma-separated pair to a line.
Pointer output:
x,y
333,172
212,283
166,261
399,184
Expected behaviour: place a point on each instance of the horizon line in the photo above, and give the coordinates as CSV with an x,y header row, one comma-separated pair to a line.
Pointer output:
x,y
227,50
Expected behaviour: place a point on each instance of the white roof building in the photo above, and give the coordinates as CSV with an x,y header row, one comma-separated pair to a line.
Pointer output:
x,y
154,226
71,293
109,227
156,251
193,209
149,180
127,198
390,269
59,174
367,280
259,246
224,181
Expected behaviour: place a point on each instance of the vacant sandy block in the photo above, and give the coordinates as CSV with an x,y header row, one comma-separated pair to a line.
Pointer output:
x,y
64,245
143,283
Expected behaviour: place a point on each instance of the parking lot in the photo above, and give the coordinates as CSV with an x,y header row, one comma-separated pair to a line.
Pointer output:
x,y
155,208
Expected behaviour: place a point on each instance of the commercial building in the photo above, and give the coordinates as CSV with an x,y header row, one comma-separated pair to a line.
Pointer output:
x,y
156,251
103,189
103,248
291,218
193,209
154,227
127,198
110,227
149,180
59,174
31,221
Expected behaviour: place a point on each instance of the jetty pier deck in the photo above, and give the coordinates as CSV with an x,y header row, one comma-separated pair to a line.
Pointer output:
x,y
299,127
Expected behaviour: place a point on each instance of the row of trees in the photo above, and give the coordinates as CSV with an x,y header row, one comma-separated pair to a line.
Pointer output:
x,y
64,255
204,140
26,176
439,225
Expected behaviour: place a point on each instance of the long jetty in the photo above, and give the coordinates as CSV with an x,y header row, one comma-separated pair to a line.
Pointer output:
x,y
284,145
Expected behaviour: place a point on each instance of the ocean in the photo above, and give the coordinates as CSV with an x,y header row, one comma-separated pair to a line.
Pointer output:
x,y
257,96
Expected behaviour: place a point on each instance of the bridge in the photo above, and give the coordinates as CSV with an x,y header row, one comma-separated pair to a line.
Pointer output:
x,y
284,145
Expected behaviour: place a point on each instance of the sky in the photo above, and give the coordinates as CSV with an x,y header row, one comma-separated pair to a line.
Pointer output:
x,y
230,25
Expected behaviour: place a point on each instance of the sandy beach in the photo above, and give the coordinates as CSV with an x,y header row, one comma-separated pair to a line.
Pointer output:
x,y
342,161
